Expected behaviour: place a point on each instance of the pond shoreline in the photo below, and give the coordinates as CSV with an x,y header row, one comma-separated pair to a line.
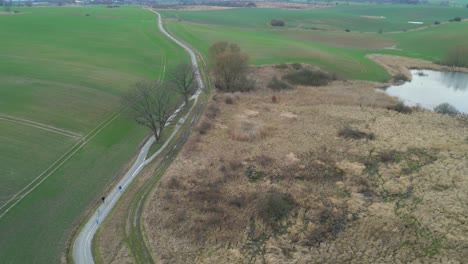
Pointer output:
x,y
431,88
396,65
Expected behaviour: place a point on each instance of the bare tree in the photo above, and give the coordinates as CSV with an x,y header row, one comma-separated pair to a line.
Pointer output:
x,y
151,107
230,67
183,77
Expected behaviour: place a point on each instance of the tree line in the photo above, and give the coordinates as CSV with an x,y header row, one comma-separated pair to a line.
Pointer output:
x,y
151,103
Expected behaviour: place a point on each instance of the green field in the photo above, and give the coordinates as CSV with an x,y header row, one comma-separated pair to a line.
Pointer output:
x,y
361,18
331,48
63,71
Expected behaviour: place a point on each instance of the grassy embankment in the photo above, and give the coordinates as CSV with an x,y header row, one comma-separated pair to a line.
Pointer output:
x,y
67,68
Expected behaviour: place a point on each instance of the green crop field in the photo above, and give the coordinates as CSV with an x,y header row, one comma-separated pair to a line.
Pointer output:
x,y
362,18
330,48
63,136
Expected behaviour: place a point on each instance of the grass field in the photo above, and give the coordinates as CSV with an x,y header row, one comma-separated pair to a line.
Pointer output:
x,y
362,17
62,73
332,48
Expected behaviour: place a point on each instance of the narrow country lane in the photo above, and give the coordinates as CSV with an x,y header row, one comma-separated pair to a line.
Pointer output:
x,y
82,251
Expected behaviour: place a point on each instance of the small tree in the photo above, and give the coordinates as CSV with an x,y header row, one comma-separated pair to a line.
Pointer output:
x,y
150,107
229,66
184,78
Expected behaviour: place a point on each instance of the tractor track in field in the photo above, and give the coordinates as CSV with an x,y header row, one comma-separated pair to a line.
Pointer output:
x,y
57,164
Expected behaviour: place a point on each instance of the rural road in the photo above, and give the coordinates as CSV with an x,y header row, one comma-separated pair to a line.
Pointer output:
x,y
82,251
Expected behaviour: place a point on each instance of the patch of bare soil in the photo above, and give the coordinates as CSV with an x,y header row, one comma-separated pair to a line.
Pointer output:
x,y
297,192
396,65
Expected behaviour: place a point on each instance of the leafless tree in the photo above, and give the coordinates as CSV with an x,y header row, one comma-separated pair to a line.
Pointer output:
x,y
183,77
151,106
230,67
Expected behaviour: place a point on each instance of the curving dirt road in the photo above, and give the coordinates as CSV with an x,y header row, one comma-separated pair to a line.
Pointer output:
x,y
82,252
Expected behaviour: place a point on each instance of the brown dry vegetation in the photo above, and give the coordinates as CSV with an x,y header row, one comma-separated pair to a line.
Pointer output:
x,y
302,194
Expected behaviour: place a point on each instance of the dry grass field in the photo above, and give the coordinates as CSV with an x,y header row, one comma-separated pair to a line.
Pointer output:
x,y
314,175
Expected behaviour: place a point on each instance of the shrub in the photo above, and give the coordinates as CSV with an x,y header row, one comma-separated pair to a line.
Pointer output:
x,y
228,100
212,111
401,77
457,19
347,30
296,66
281,66
252,173
278,85
446,109
204,126
350,133
308,77
436,22
274,99
277,23
274,206
400,107
389,156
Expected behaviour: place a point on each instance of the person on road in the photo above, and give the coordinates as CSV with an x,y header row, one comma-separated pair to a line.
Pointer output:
x,y
103,199
120,187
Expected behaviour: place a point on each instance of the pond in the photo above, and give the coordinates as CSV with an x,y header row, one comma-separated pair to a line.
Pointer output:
x,y
431,88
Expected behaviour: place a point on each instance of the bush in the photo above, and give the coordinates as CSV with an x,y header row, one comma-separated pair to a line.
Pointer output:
x,y
347,30
274,99
436,23
296,66
457,19
278,85
400,107
281,66
350,133
308,77
401,77
204,126
446,109
277,23
228,100
253,174
274,206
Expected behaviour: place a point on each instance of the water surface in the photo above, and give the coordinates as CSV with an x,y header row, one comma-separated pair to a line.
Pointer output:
x,y
431,88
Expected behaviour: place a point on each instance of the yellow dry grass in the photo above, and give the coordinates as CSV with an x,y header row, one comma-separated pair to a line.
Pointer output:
x,y
413,211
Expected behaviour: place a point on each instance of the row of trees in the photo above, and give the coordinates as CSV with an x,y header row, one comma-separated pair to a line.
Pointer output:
x,y
151,103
